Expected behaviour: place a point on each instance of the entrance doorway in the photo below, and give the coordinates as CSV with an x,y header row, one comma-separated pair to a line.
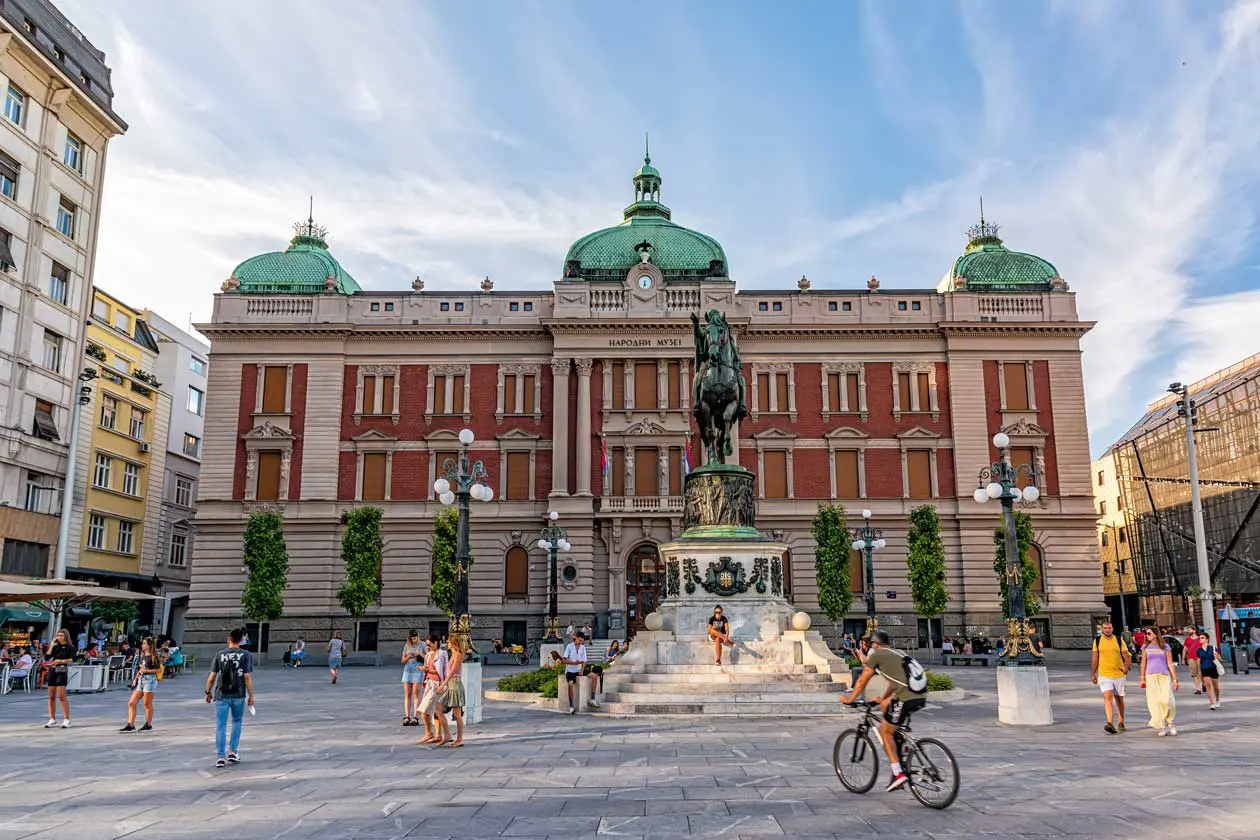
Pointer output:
x,y
645,583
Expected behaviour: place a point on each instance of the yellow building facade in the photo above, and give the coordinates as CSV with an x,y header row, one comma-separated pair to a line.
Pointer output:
x,y
121,467
1115,552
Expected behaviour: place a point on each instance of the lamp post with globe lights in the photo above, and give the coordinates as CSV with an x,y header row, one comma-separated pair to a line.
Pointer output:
x,y
553,539
1000,482
867,540
462,479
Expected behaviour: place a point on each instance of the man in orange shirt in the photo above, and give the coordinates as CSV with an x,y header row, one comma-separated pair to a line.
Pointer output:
x,y
1110,663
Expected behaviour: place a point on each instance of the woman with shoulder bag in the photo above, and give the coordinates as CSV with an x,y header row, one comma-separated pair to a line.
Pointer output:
x,y
435,731
1210,669
144,686
452,689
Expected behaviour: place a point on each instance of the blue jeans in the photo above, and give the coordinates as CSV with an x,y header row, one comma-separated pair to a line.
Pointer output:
x,y
221,707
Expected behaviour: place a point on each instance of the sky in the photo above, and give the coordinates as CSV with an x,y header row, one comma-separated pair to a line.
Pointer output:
x,y
828,138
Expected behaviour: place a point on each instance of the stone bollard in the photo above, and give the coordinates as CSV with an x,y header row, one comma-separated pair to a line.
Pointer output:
x,y
581,695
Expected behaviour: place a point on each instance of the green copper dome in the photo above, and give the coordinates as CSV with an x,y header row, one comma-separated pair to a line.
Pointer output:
x,y
646,234
989,266
305,267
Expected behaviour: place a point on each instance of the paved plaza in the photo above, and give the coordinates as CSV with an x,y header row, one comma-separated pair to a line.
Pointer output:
x,y
332,762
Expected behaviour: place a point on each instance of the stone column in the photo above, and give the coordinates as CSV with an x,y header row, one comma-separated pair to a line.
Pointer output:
x,y
584,426
560,427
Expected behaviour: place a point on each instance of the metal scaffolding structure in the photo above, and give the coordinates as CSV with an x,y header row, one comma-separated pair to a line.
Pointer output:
x,y
1151,466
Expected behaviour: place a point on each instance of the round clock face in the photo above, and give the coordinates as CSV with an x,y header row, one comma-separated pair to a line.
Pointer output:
x,y
645,281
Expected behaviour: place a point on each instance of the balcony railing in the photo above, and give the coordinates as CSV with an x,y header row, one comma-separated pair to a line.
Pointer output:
x,y
642,504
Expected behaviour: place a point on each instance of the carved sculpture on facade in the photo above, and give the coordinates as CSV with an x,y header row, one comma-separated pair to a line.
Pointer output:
x,y
719,498
717,385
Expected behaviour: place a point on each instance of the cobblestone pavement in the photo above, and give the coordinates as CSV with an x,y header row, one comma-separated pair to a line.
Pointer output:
x,y
331,762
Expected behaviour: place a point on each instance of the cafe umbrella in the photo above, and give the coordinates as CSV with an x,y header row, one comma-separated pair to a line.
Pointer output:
x,y
57,594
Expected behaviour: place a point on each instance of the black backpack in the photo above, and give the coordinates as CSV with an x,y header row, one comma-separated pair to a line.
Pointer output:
x,y
231,675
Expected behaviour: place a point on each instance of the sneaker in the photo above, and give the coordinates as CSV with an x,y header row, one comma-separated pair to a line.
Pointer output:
x,y
65,724
1172,730
1161,733
1121,726
897,781
572,710
592,705
233,758
1109,729
1215,706
148,727
1198,691
52,724
128,728
220,762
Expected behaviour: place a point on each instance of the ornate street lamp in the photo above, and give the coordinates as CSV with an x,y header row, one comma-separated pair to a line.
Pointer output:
x,y
867,540
463,480
1000,481
553,539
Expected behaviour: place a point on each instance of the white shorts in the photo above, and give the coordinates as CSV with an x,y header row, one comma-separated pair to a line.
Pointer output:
x,y
429,700
1115,684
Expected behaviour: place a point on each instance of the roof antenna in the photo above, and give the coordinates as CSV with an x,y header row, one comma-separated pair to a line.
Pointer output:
x,y
647,154
982,210
310,216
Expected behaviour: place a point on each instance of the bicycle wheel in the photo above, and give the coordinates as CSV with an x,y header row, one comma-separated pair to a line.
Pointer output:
x,y
522,658
932,773
856,761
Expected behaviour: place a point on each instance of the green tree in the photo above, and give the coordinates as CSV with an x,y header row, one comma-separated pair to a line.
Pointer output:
x,y
925,558
115,612
1024,537
445,534
361,548
831,563
266,565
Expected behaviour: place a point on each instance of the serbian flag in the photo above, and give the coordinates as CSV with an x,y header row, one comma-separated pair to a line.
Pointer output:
x,y
687,457
603,459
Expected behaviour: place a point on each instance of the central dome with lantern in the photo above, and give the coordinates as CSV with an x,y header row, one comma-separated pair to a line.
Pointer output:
x,y
646,234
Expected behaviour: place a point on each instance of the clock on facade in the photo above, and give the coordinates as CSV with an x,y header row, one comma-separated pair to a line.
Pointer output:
x,y
645,281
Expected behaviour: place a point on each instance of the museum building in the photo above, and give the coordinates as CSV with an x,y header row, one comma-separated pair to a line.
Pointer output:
x,y
324,397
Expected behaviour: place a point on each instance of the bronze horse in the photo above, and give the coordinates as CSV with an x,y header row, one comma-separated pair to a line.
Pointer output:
x,y
718,385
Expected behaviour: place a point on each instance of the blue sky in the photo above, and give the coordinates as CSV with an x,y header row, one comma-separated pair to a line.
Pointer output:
x,y
838,140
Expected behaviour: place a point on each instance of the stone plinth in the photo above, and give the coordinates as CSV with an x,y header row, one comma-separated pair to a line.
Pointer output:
x,y
475,692
1024,695
720,500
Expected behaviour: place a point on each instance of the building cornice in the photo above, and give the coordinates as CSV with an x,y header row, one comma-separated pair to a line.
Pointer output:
x,y
1051,328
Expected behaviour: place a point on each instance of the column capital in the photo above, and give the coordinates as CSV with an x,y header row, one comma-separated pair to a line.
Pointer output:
x,y
583,366
560,367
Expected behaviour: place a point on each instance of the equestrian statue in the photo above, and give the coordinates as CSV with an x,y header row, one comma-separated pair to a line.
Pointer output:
x,y
718,385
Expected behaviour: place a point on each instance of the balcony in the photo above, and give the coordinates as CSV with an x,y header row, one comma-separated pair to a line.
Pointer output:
x,y
642,504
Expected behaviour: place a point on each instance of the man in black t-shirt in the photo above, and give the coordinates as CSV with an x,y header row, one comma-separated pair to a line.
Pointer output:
x,y
231,686
719,632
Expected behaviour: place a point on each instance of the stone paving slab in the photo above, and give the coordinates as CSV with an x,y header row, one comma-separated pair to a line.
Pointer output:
x,y
331,763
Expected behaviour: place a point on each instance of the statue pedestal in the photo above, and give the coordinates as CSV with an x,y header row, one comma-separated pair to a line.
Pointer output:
x,y
1024,695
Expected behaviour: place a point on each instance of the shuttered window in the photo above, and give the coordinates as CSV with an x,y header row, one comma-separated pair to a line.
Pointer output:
x,y
369,395
374,476
774,477
1015,380
517,476
457,394
675,471
924,388
857,572
919,473
645,385
617,468
516,572
275,383
851,385
763,392
618,385
1037,559
781,391
527,399
1024,456
645,468
903,391
387,395
268,476
439,395
674,385
509,394
439,464
847,474
835,382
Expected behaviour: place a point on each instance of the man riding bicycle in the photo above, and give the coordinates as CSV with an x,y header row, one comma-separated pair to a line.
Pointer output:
x,y
898,701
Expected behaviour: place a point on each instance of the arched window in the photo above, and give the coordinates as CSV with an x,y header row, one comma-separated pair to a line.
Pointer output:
x,y
516,572
1038,559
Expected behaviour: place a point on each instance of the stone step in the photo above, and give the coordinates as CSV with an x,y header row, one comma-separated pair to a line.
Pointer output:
x,y
700,706
731,690
720,678
710,668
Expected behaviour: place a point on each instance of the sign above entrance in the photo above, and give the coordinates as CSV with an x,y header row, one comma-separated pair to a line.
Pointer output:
x,y
645,342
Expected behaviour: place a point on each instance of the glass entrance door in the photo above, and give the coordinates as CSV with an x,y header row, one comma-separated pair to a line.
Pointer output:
x,y
645,584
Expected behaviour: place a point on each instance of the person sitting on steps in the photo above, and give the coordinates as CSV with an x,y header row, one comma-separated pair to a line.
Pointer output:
x,y
719,632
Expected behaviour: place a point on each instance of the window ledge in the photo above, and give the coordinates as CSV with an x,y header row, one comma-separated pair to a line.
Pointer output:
x,y
120,494
936,415
863,415
359,417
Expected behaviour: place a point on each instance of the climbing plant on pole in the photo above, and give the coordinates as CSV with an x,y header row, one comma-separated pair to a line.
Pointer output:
x,y
361,548
925,559
1024,537
831,563
442,585
266,560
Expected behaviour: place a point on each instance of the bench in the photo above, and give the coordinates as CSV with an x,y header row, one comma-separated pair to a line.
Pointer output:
x,y
985,659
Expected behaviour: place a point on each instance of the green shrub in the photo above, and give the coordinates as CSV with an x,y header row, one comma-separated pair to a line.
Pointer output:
x,y
549,689
939,682
853,662
531,681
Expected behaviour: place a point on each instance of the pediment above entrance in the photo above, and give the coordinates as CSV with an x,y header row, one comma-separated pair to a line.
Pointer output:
x,y
647,424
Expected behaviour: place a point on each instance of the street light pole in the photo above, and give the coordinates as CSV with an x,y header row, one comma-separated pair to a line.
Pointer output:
x,y
1000,481
462,479
1186,408
867,540
82,398
553,539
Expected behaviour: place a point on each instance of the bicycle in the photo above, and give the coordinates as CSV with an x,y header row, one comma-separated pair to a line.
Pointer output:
x,y
932,780
525,654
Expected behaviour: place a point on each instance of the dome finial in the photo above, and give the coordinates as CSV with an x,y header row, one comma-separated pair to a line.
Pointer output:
x,y
647,151
309,233
983,233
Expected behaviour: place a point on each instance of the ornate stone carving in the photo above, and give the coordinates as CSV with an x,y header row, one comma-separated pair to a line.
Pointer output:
x,y
516,537
560,367
417,285
487,286
760,574
573,268
378,370
448,370
803,283
518,368
231,284
330,284
645,427
872,284
778,534
1023,427
776,576
725,577
251,467
691,575
671,579
268,430
584,366
724,497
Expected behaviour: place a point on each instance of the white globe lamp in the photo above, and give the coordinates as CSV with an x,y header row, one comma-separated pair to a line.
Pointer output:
x,y
466,437
993,490
858,545
447,498
487,494
980,496
866,514
441,486
880,543
1001,440
1031,493
544,545
553,516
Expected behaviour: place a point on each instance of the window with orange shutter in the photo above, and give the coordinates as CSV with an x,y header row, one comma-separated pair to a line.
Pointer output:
x,y
847,485
857,572
835,382
674,384
617,470
645,471
528,404
919,473
509,394
457,395
439,395
387,395
373,476
1015,381
1024,456
851,386
1038,560
781,392
763,392
903,391
268,476
675,471
369,395
618,385
516,572
924,387
645,385
275,388
517,476
774,475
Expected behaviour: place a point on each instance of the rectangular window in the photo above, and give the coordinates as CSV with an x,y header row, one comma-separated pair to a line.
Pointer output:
x,y
832,306
6,250
775,476
456,404
389,307
618,385
852,386
100,310
1102,507
73,155
9,171
197,366
268,476
903,390
459,306
673,385
387,395
439,395
1024,456
369,395
457,394
444,306
365,636
45,425
65,217
137,423
122,322
618,472
1101,477
109,411
196,400
847,485
846,307
919,473
178,555
529,307
645,471
835,382
376,307
126,537
781,392
509,393
101,474
924,388
901,306
131,479
514,307
373,477
43,493
763,306
857,572
96,531
15,106
121,364
59,283
183,491
275,389
28,559
52,351
517,476
1015,378
645,385
675,470
530,382
1121,534
778,306
763,392
192,446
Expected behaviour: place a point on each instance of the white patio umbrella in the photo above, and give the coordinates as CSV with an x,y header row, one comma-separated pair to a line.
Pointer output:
x,y
58,594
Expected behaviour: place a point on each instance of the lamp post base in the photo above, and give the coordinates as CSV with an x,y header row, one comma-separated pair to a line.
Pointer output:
x,y
1024,695
553,629
459,629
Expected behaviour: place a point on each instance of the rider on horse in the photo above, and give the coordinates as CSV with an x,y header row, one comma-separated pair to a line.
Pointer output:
x,y
717,361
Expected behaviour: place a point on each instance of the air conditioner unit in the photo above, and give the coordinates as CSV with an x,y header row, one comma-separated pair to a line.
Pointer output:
x,y
144,447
